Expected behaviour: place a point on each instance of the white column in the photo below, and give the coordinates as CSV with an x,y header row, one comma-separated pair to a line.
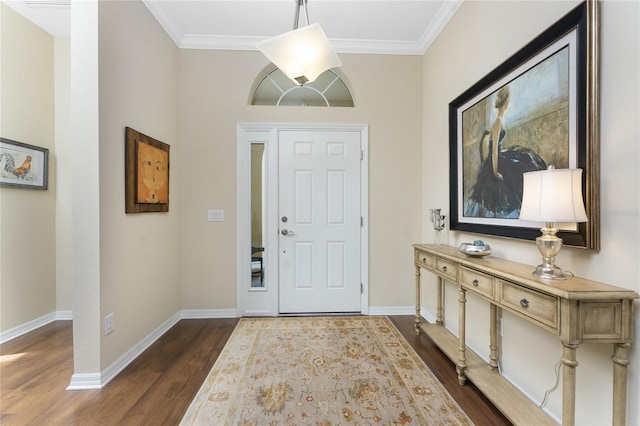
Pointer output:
x,y
86,195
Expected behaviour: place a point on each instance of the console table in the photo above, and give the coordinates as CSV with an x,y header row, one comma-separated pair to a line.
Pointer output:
x,y
575,310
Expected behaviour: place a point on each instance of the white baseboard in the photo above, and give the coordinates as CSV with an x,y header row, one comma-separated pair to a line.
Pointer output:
x,y
427,315
208,313
392,310
64,315
14,332
85,381
261,313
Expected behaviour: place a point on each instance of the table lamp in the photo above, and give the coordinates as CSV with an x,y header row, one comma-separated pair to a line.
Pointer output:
x,y
552,196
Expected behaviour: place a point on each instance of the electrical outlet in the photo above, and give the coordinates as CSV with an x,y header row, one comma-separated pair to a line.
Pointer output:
x,y
109,324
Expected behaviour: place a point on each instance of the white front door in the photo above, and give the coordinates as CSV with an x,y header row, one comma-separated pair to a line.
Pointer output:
x,y
319,221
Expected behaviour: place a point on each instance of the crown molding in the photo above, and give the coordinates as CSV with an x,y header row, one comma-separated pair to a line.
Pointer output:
x,y
440,21
165,21
379,47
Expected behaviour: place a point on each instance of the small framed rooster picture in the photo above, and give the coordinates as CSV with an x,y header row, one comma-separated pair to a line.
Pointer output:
x,y
23,165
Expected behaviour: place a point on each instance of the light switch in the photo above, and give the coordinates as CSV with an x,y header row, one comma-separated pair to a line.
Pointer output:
x,y
215,215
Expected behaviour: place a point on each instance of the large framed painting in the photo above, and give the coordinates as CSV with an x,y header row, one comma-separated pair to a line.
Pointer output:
x,y
23,165
146,173
537,109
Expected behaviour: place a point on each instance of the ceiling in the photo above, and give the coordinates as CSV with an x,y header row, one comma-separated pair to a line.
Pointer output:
x,y
353,26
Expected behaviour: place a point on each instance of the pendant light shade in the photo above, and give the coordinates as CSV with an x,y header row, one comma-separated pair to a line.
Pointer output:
x,y
303,53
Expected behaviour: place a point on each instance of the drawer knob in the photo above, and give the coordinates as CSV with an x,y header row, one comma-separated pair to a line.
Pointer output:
x,y
475,283
424,260
524,303
444,268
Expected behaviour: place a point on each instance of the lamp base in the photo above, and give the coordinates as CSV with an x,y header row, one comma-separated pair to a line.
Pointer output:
x,y
549,272
549,244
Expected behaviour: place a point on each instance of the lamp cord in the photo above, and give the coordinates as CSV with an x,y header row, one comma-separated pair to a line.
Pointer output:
x,y
546,394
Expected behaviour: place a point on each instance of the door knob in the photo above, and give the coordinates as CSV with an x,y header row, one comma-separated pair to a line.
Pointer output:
x,y
287,232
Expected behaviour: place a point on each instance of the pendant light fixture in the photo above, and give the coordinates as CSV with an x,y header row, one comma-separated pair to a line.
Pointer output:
x,y
303,53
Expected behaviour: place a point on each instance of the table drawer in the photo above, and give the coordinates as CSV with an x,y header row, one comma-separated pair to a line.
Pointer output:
x,y
447,269
425,260
477,281
541,307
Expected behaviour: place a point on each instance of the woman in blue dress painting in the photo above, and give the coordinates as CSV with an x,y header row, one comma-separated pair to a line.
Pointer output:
x,y
498,189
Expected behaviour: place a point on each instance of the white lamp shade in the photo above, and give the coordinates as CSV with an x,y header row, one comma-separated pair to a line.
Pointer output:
x,y
553,195
302,54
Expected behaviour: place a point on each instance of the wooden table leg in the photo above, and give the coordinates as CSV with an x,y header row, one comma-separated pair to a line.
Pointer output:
x,y
569,383
417,318
440,307
620,361
462,346
493,345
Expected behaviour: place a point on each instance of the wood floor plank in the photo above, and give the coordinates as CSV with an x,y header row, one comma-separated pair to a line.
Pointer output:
x,y
159,385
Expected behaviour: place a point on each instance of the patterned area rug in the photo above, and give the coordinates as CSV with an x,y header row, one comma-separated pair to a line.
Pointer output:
x,y
321,371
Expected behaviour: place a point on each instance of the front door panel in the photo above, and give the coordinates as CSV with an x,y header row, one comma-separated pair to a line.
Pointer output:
x,y
319,203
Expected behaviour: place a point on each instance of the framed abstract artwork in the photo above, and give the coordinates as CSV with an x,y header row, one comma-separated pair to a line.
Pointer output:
x,y
537,109
23,165
146,173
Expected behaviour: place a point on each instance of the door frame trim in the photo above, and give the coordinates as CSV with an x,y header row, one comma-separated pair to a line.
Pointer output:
x,y
264,302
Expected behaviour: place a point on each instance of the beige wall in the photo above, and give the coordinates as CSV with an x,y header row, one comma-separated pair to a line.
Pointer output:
x,y
480,36
27,217
214,92
139,253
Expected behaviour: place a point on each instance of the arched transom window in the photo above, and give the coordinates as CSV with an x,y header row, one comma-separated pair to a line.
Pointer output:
x,y
328,90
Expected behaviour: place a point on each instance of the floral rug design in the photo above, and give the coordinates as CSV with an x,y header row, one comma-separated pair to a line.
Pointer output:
x,y
321,371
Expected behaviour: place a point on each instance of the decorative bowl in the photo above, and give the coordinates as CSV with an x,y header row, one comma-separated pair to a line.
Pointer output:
x,y
475,249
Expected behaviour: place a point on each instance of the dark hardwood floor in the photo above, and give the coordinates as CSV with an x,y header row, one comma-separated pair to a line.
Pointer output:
x,y
158,386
